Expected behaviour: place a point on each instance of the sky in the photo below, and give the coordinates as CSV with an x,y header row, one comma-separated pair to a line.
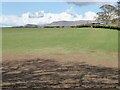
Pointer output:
x,y
21,13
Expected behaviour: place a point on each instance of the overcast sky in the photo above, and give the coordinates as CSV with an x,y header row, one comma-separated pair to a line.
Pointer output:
x,y
21,13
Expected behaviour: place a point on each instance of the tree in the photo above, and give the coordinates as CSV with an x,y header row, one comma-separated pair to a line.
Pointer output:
x,y
108,12
116,20
118,10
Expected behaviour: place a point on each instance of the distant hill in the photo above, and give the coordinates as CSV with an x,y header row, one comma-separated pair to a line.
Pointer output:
x,y
70,23
60,24
31,25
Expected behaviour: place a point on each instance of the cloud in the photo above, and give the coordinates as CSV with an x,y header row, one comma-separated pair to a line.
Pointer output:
x,y
42,17
80,4
90,15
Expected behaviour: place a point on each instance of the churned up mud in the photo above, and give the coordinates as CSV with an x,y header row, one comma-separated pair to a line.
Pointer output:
x,y
48,74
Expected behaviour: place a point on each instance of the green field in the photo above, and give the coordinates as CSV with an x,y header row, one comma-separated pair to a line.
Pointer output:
x,y
101,43
26,40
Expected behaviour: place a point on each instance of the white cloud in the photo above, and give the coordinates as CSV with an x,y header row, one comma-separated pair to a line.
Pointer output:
x,y
90,15
42,17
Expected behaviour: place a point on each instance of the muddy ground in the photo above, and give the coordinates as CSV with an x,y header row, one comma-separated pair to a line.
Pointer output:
x,y
49,74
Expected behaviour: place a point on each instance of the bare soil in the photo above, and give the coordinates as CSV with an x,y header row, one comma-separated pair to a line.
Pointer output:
x,y
48,74
92,58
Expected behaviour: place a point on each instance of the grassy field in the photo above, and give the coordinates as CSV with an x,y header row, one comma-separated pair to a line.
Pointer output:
x,y
59,58
25,40
61,41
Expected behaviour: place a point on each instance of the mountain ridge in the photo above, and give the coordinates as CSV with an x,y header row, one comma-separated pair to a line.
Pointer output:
x,y
70,23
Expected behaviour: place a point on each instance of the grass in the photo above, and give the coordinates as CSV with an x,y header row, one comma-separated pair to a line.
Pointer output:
x,y
32,40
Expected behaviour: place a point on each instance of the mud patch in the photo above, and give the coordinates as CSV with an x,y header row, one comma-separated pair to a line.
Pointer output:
x,y
52,74
92,58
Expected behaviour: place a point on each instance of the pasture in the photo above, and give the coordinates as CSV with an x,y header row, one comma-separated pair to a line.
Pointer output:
x,y
86,44
59,58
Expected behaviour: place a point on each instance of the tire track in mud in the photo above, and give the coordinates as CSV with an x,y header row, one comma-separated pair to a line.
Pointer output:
x,y
51,74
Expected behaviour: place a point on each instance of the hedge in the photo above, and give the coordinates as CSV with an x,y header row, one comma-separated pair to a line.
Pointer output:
x,y
98,26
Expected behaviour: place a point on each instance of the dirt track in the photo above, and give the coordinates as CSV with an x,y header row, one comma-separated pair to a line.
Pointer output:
x,y
51,74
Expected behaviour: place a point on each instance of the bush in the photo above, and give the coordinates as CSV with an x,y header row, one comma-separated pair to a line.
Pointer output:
x,y
97,26
107,27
